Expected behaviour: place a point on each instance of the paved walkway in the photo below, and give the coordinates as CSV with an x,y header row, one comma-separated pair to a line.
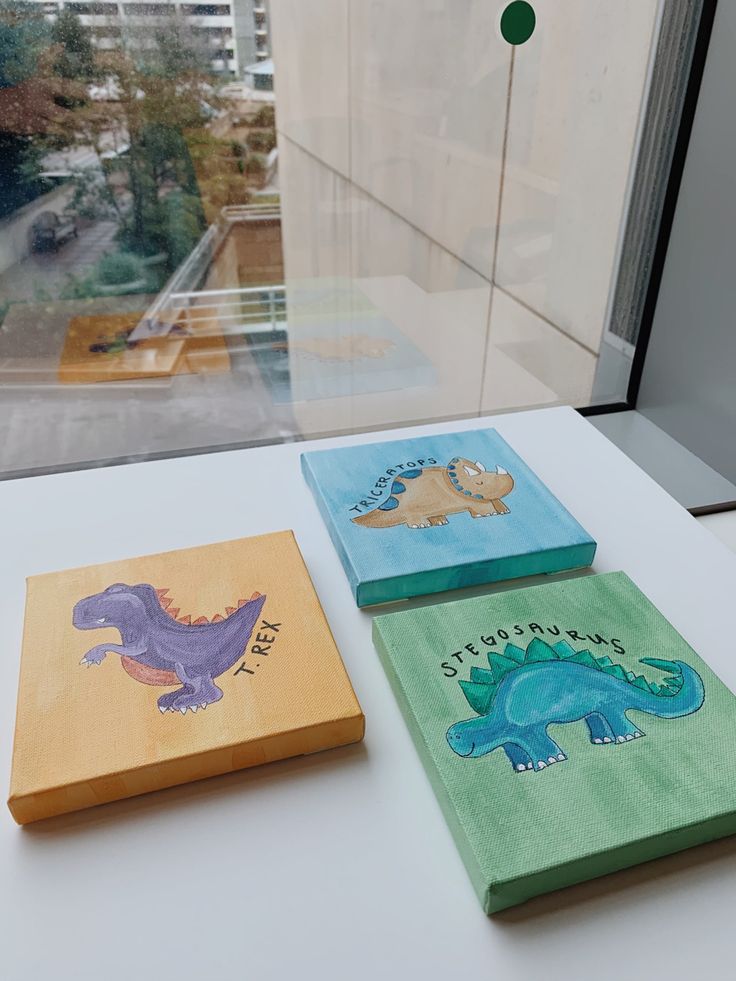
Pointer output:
x,y
43,274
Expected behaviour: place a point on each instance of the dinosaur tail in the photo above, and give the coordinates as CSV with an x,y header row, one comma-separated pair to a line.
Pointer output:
x,y
376,519
681,694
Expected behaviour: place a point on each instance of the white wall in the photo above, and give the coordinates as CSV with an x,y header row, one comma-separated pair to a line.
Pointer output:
x,y
416,144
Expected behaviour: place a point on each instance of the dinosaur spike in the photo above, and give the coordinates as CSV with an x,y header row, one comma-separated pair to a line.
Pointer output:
x,y
217,617
586,658
229,610
173,613
186,620
165,601
539,651
501,665
616,671
605,661
161,592
640,681
563,649
256,596
241,602
669,666
515,653
630,675
482,676
479,697
200,620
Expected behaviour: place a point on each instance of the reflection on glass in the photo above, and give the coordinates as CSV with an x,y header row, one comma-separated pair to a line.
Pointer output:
x,y
175,275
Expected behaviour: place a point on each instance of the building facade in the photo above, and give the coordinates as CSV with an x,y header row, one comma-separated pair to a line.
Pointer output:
x,y
235,33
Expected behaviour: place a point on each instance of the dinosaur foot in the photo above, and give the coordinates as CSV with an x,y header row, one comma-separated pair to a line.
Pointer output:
x,y
636,734
551,760
93,658
629,737
183,700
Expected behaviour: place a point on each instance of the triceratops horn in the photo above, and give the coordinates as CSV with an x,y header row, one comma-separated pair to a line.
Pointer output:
x,y
480,466
500,470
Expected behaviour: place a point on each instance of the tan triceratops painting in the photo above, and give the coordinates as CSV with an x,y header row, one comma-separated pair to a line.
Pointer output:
x,y
423,498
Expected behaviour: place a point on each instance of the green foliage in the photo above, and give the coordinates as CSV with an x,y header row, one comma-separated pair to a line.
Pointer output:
x,y
256,165
119,267
77,57
183,224
24,33
266,116
78,287
262,140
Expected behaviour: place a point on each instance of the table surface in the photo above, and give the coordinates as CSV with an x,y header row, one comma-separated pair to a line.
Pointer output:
x,y
339,865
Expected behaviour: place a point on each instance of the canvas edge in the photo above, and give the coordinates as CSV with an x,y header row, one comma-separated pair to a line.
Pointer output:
x,y
53,801
449,812
332,530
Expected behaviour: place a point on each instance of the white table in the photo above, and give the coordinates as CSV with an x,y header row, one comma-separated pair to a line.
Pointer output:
x,y
339,865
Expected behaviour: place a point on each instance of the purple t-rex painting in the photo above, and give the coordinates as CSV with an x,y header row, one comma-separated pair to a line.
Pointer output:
x,y
158,649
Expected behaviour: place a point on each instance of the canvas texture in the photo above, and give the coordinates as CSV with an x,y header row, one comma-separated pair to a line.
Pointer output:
x,y
567,729
409,517
152,671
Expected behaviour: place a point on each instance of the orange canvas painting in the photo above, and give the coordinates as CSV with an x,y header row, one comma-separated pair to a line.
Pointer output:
x,y
148,672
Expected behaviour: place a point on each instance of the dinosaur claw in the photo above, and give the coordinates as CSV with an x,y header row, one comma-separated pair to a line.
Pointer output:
x,y
182,710
638,735
520,767
552,759
607,739
597,740
162,709
194,708
203,705
84,660
541,765
561,757
629,737
620,739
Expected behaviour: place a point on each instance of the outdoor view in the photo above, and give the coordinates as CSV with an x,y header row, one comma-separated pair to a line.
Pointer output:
x,y
224,224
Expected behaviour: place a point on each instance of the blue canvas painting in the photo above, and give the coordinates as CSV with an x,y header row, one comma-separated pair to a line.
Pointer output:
x,y
417,516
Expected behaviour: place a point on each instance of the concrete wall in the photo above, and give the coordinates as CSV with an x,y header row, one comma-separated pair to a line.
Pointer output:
x,y
462,183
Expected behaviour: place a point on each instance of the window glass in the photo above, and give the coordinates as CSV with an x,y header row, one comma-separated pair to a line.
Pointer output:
x,y
225,224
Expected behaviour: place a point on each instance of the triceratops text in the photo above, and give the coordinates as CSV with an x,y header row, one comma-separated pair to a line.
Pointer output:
x,y
386,480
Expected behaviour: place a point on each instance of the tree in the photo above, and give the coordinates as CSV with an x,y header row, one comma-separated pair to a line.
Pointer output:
x,y
76,58
159,91
23,33
39,83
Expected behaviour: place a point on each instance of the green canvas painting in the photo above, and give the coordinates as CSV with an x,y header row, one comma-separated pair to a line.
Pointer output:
x,y
568,731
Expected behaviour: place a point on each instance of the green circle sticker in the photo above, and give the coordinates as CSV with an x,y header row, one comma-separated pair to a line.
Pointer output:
x,y
518,22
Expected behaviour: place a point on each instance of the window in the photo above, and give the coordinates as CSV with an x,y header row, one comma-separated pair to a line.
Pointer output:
x,y
96,9
206,10
406,221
